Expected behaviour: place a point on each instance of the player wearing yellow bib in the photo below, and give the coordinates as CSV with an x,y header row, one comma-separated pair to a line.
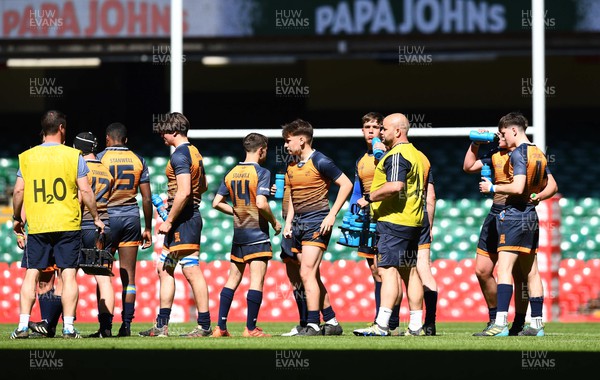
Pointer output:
x,y
48,180
397,202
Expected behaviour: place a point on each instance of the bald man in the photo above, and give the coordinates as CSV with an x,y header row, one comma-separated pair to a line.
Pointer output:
x,y
397,203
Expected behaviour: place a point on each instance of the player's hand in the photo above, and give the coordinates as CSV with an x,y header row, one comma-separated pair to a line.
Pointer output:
x,y
534,199
99,225
287,231
485,185
146,239
327,225
20,232
164,228
273,189
362,202
277,228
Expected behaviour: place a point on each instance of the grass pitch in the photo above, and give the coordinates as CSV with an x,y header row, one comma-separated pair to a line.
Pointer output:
x,y
565,351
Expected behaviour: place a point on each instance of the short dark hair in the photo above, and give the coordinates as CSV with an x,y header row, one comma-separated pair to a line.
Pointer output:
x,y
254,141
376,116
298,127
176,122
51,121
513,118
117,132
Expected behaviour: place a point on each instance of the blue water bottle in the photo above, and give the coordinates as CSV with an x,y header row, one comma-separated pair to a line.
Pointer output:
x,y
486,172
378,153
280,185
160,206
477,136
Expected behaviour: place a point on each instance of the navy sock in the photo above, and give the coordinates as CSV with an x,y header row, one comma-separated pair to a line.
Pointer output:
x,y
377,297
254,299
505,292
430,298
127,313
536,304
204,320
301,303
226,298
313,317
394,318
492,313
328,313
106,321
50,307
163,317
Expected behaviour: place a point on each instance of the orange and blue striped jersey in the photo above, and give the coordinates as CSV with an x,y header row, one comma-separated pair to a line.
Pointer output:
x,y
186,159
528,160
128,170
242,185
310,181
499,161
365,169
102,183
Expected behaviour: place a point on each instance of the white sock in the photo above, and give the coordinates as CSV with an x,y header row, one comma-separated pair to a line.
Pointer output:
x,y
314,326
68,323
416,320
502,318
536,323
332,322
383,316
23,321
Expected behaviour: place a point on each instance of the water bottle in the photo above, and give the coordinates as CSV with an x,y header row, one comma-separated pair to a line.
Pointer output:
x,y
280,185
486,172
378,153
477,136
160,206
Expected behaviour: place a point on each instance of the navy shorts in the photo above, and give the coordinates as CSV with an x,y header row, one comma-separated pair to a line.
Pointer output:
x,y
518,230
306,231
45,249
126,231
185,235
286,251
398,249
488,236
243,253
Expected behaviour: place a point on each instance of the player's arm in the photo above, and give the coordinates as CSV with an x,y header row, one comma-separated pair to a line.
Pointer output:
x,y
287,231
220,204
18,211
183,195
430,202
395,170
265,210
345,188
471,163
146,192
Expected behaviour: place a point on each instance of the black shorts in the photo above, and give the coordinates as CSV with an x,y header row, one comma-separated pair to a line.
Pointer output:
x,y
425,236
126,231
287,254
488,236
397,246
45,249
185,235
518,230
